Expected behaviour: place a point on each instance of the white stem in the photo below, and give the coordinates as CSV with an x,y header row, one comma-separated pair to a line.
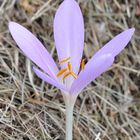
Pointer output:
x,y
69,121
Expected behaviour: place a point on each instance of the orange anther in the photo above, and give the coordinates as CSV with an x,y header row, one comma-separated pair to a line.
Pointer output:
x,y
69,69
69,66
73,74
64,60
82,64
66,75
61,72
70,73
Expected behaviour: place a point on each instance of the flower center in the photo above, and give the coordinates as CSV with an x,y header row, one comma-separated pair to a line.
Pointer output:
x,y
69,71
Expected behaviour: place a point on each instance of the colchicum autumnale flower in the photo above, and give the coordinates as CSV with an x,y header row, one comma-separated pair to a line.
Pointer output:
x,y
69,41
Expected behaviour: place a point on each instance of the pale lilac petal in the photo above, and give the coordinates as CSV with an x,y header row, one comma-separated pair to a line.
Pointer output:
x,y
94,68
48,79
69,32
117,44
33,48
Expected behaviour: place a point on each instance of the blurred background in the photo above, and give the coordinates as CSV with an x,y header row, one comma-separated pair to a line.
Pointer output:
x,y
33,110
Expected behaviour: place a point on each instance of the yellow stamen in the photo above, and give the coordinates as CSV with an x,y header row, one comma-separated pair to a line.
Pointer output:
x,y
66,75
83,64
64,60
73,74
69,73
69,69
61,72
69,66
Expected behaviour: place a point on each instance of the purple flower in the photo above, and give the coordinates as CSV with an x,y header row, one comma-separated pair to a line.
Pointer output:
x,y
69,42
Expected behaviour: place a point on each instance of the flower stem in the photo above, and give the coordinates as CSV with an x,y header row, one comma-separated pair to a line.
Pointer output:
x,y
69,121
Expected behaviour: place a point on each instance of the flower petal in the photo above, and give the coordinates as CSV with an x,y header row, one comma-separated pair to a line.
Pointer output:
x,y
94,68
117,44
48,79
33,48
69,33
